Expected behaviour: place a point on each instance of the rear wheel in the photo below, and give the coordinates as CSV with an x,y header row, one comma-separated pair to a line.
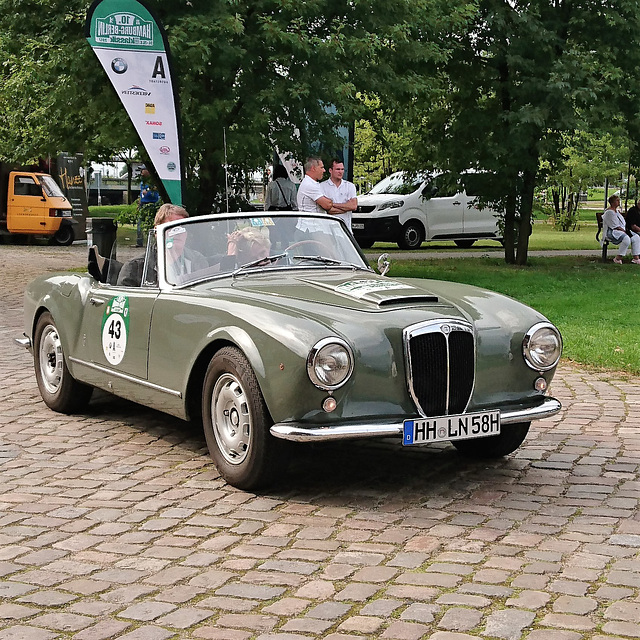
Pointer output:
x,y
494,446
236,422
412,235
64,236
465,243
58,388
365,243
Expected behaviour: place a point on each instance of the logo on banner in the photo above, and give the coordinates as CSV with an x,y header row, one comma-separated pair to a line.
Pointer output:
x,y
171,166
153,123
124,28
119,65
149,107
158,75
158,136
135,90
164,150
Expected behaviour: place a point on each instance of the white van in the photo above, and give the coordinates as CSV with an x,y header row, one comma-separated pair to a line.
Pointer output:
x,y
409,209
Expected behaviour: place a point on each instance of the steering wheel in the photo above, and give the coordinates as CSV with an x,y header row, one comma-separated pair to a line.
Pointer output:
x,y
301,243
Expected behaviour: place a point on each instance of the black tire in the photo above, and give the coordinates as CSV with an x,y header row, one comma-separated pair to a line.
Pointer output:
x,y
246,457
507,442
465,243
412,235
64,236
58,388
365,243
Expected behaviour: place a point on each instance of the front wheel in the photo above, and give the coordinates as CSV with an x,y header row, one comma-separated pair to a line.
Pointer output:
x,y
236,422
64,236
494,446
412,235
58,388
365,243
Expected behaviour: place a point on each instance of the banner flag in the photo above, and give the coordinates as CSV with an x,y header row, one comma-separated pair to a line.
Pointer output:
x,y
134,52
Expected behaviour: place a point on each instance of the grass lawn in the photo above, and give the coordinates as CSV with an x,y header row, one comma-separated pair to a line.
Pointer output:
x,y
591,303
543,237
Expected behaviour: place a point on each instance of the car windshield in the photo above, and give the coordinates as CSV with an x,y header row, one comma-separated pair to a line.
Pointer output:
x,y
400,183
205,247
50,186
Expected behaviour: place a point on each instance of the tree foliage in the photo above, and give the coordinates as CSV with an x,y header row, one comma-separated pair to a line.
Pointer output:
x,y
263,73
585,158
523,73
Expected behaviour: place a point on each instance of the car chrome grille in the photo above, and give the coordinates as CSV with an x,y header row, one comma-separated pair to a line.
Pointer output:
x,y
440,366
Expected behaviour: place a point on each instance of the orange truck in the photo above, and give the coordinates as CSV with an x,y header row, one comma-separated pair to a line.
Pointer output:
x,y
32,203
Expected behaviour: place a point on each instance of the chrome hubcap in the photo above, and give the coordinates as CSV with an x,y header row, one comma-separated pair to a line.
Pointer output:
x,y
51,359
231,418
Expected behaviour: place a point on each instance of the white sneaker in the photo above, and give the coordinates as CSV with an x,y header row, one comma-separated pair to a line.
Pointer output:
x,y
636,261
617,260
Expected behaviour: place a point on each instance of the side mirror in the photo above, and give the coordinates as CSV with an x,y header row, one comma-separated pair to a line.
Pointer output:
x,y
384,264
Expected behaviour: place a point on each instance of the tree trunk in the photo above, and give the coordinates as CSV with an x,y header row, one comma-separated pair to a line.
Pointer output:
x,y
509,226
556,201
211,185
526,207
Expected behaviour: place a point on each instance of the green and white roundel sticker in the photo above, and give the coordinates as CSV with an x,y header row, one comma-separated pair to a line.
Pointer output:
x,y
115,327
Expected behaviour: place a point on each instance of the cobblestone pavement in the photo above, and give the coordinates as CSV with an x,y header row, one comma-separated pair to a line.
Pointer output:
x,y
114,523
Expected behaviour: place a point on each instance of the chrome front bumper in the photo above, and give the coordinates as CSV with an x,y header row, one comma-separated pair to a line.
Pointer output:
x,y
300,433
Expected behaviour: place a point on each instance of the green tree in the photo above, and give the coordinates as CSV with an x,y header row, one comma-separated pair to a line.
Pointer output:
x,y
260,72
520,75
585,159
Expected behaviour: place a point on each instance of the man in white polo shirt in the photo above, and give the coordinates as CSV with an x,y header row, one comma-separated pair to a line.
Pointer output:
x,y
310,196
341,192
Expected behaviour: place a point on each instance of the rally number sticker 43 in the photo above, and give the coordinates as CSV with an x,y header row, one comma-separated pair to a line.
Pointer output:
x,y
115,328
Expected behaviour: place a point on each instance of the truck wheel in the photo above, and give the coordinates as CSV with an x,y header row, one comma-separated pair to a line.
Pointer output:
x,y
465,243
365,243
494,446
236,422
412,235
58,388
64,236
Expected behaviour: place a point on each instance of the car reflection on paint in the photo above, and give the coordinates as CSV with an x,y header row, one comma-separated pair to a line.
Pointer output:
x,y
267,328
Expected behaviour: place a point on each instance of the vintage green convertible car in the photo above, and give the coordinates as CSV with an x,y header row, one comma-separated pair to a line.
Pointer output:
x,y
273,327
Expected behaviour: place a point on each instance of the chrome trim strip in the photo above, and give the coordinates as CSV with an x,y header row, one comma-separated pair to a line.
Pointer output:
x,y
299,433
128,378
23,342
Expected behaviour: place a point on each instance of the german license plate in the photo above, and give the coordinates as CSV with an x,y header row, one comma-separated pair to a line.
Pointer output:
x,y
358,225
459,427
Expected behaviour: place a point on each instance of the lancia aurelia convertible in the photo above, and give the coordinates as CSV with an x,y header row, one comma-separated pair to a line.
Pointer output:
x,y
274,328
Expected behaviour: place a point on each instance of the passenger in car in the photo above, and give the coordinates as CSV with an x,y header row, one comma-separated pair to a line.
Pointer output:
x,y
190,260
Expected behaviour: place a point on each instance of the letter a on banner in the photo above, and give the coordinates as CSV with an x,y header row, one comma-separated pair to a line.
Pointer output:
x,y
133,50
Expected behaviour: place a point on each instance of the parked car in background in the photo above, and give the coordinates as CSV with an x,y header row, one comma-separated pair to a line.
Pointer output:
x,y
32,203
410,208
291,337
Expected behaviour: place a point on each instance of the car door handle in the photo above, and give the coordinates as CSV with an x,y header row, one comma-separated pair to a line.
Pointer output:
x,y
96,302
457,202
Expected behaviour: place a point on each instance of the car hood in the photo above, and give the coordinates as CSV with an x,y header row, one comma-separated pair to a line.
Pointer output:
x,y
375,199
358,290
339,295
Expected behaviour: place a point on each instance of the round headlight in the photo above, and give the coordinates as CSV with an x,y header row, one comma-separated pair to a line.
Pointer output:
x,y
542,346
330,363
